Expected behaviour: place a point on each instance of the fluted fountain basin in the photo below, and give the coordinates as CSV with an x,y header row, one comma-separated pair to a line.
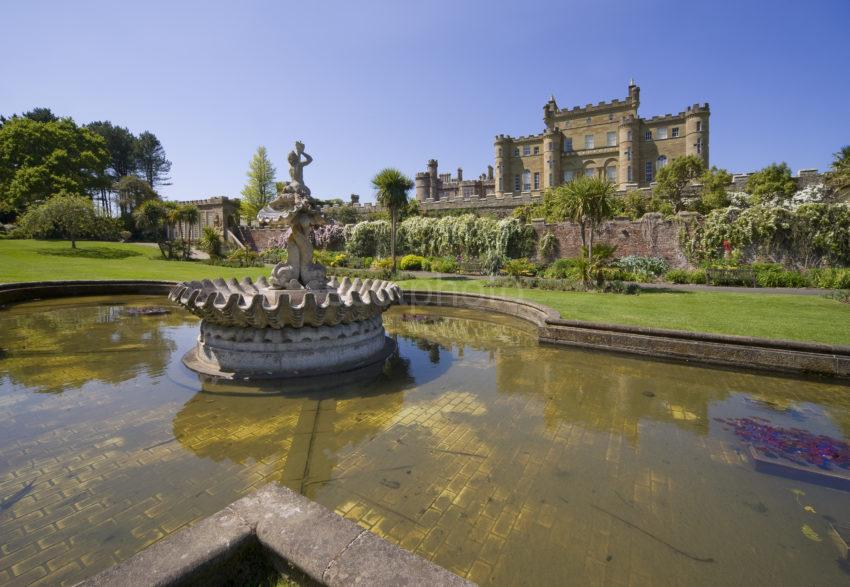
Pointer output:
x,y
252,331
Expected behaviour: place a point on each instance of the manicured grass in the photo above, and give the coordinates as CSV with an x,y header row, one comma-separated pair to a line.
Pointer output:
x,y
809,318
794,317
31,260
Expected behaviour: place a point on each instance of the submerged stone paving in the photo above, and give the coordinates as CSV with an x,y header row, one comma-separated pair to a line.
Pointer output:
x,y
501,460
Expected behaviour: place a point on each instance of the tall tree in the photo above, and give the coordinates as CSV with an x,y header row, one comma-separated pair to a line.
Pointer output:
x,y
260,188
587,201
41,114
151,161
39,159
120,143
673,178
392,187
132,192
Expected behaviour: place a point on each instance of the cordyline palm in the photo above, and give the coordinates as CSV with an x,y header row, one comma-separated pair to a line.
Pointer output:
x,y
392,187
588,201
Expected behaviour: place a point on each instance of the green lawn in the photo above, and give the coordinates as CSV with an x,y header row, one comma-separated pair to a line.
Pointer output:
x,y
31,260
810,318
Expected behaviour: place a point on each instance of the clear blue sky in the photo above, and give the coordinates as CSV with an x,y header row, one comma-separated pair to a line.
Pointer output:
x,y
371,84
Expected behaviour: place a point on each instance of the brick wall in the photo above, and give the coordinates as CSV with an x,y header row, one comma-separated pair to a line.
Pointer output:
x,y
651,236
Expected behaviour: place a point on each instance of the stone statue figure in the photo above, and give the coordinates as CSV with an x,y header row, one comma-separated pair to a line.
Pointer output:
x,y
296,170
299,271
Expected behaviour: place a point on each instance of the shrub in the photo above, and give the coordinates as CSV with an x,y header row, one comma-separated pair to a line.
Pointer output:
x,y
125,235
444,265
621,287
412,263
210,242
242,258
274,255
830,278
520,268
562,269
696,276
367,239
773,183
776,276
650,266
330,258
69,217
386,263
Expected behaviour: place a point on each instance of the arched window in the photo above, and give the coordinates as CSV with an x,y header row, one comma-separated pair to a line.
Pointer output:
x,y
660,162
526,181
611,173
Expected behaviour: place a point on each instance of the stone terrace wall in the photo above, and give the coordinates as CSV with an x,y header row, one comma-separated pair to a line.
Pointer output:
x,y
651,236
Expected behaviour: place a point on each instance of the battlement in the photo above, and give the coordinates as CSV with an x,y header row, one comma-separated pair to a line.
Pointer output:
x,y
665,118
599,107
697,108
213,201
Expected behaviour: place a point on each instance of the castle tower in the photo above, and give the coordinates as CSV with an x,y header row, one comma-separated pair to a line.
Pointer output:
x,y
634,94
503,147
460,174
627,166
423,186
553,146
489,172
696,131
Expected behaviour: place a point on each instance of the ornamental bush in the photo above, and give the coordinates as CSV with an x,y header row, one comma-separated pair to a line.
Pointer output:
x,y
651,266
412,263
368,239
520,268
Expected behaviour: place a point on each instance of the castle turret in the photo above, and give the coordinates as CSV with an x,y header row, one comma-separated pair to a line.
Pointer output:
x,y
433,180
628,155
489,172
549,111
553,147
503,146
696,131
423,186
634,94
460,174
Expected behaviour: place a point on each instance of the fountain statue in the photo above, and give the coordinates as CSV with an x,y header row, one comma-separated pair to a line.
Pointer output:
x,y
296,323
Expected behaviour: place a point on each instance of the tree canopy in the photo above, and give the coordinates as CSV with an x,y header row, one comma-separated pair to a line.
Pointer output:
x,y
151,162
392,186
39,159
67,216
260,188
673,178
772,182
838,177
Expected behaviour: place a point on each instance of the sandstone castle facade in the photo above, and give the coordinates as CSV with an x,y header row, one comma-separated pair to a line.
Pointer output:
x,y
608,140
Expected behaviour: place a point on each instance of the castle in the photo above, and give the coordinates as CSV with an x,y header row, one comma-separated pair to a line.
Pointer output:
x,y
606,140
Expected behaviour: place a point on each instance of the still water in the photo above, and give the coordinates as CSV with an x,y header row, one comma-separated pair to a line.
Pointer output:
x,y
505,461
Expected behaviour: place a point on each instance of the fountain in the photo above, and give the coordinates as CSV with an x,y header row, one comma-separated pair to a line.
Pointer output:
x,y
297,323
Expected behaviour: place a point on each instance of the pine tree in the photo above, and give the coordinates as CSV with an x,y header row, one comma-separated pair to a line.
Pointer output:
x,y
260,189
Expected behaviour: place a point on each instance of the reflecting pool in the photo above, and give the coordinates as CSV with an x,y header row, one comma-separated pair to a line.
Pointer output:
x,y
502,460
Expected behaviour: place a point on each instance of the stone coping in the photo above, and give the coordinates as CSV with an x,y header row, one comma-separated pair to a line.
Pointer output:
x,y
786,356
291,530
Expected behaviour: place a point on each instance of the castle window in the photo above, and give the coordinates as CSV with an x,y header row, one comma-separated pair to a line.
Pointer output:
x,y
611,173
660,162
629,174
526,150
568,144
569,175
675,132
647,171
628,135
699,125
516,183
536,150
647,136
536,180
526,181
629,154
610,117
516,151
588,141
612,139
589,119
550,178
661,133
499,151
699,145
549,145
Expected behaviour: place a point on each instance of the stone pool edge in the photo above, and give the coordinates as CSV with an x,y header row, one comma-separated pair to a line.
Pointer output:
x,y
292,531
784,356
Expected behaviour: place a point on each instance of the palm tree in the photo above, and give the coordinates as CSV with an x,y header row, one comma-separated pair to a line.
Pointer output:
x,y
392,187
588,201
838,178
189,215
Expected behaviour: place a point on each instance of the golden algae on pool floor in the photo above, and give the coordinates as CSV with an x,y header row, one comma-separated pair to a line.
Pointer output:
x,y
504,461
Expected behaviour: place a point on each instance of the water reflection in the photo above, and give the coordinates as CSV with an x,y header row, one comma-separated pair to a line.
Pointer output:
x,y
58,345
505,461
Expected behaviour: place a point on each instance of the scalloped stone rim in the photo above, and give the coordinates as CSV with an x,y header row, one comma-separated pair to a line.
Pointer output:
x,y
247,304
